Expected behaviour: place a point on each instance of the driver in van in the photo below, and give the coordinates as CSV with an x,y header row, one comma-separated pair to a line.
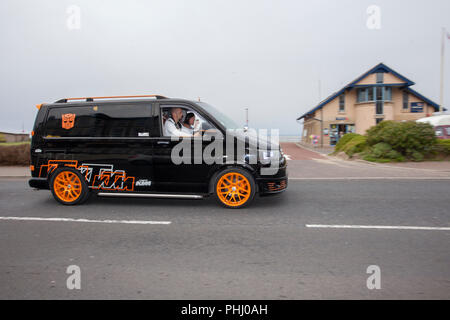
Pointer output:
x,y
172,126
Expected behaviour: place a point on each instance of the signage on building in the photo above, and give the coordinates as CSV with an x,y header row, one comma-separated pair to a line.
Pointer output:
x,y
417,106
341,118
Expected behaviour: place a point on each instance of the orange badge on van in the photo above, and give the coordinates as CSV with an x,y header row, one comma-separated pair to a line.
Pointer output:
x,y
68,120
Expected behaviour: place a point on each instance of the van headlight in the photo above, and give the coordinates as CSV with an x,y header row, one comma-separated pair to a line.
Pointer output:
x,y
267,156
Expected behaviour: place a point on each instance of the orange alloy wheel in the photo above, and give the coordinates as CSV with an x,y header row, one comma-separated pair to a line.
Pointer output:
x,y
67,186
233,189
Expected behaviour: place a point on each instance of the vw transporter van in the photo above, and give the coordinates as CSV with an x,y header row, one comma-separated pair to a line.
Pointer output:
x,y
123,147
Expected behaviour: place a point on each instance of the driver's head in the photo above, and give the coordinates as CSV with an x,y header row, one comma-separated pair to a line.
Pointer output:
x,y
176,113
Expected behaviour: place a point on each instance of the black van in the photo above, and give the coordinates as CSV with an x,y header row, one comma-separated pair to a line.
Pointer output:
x,y
116,146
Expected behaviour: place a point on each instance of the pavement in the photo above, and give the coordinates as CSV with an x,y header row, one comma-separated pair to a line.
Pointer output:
x,y
314,241
308,164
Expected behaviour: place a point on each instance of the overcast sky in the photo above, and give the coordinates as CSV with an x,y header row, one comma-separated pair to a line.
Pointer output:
x,y
264,55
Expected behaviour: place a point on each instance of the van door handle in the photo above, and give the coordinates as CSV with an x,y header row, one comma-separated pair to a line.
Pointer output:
x,y
163,142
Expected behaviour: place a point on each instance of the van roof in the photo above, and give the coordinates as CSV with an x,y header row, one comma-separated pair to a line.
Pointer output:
x,y
91,99
108,100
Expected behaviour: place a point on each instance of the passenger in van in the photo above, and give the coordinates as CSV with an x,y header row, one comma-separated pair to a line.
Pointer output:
x,y
172,126
188,123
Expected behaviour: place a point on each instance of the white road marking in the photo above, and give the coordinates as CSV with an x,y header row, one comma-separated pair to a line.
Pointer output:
x,y
337,226
84,220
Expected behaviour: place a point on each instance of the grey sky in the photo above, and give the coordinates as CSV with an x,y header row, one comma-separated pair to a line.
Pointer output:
x,y
264,55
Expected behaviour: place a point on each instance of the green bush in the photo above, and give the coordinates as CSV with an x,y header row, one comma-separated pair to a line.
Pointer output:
x,y
2,138
407,138
370,158
380,150
442,147
417,156
395,141
344,140
355,145
395,155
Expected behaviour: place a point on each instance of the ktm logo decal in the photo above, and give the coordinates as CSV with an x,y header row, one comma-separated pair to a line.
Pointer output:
x,y
98,176
113,180
68,120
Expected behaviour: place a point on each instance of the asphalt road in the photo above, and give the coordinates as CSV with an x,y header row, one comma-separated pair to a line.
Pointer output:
x,y
208,252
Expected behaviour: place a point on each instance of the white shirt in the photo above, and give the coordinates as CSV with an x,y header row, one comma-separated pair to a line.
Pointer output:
x,y
189,131
170,129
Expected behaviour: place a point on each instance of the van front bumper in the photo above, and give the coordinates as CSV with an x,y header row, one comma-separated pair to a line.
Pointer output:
x,y
38,183
273,184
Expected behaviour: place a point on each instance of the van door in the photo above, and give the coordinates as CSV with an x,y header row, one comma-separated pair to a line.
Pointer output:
x,y
190,177
110,143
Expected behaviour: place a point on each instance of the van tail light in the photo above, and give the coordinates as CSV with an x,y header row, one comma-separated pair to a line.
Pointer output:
x,y
32,168
32,133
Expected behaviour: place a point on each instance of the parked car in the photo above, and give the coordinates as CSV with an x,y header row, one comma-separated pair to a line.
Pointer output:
x,y
117,147
441,124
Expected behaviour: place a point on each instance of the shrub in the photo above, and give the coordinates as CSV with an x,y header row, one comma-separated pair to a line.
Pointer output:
x,y
15,155
368,157
442,147
380,150
417,156
2,137
395,155
407,138
355,145
344,140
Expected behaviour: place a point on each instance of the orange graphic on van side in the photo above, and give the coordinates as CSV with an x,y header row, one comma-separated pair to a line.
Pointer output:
x,y
113,180
107,179
68,120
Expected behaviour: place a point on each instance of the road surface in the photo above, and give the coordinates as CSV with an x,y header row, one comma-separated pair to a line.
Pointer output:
x,y
298,245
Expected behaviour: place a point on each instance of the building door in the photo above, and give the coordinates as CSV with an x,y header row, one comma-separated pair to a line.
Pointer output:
x,y
338,130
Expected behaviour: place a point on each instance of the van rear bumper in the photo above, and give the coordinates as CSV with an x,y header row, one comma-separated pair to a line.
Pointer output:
x,y
38,183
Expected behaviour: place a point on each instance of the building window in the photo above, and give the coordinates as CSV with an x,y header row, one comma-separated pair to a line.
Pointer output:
x,y
342,103
362,95
405,100
387,94
380,77
370,94
379,100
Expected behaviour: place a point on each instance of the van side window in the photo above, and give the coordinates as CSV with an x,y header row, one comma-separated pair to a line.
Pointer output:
x,y
127,120
197,124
